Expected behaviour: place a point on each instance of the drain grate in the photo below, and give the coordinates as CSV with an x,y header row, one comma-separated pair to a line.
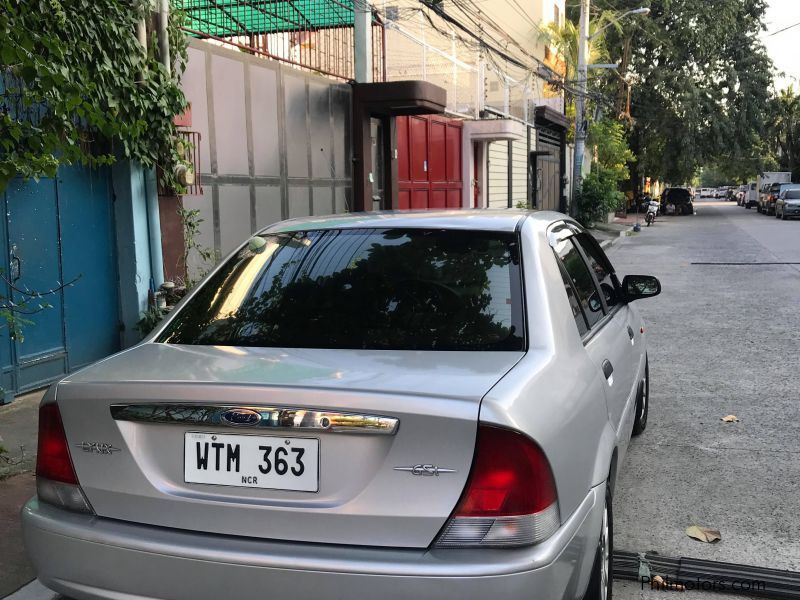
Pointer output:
x,y
700,574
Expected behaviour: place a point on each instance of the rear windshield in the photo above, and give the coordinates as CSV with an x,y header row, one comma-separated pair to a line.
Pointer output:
x,y
408,289
677,195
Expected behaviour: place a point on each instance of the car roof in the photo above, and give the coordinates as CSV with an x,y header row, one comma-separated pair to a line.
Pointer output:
x,y
479,219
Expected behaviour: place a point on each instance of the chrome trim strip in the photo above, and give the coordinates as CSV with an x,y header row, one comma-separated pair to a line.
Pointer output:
x,y
270,418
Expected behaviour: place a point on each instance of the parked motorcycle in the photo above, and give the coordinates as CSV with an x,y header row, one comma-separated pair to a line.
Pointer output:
x,y
652,212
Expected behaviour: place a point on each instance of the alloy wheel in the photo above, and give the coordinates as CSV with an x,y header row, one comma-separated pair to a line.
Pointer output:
x,y
605,556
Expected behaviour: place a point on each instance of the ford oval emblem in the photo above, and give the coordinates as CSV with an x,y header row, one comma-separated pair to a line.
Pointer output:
x,y
241,417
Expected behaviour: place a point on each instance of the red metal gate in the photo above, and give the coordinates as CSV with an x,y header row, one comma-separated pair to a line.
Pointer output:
x,y
429,162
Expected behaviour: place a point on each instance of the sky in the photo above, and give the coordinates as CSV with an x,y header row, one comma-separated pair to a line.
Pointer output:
x,y
783,47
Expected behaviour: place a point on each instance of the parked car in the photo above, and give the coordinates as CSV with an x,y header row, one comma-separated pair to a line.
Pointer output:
x,y
706,192
751,195
788,204
680,198
770,196
365,406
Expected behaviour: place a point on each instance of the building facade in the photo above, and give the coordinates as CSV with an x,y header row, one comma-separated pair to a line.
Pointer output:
x,y
503,80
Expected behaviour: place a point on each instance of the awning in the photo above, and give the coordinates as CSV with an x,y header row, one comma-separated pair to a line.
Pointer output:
x,y
396,98
491,130
226,18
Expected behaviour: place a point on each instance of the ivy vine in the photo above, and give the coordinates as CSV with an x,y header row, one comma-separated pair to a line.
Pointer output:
x,y
76,86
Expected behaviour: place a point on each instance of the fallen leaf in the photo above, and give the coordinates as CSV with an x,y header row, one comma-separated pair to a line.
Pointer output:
x,y
730,419
704,534
660,583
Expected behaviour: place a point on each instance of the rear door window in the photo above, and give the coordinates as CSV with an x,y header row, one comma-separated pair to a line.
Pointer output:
x,y
599,264
574,301
581,279
402,289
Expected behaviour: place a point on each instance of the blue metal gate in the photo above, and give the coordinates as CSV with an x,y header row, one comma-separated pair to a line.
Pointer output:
x,y
59,230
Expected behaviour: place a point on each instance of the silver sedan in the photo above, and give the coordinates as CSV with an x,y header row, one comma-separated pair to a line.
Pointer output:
x,y
388,405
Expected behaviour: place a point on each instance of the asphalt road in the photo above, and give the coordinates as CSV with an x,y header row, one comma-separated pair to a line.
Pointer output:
x,y
723,339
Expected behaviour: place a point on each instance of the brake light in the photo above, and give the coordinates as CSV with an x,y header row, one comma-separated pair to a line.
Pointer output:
x,y
510,498
56,480
53,460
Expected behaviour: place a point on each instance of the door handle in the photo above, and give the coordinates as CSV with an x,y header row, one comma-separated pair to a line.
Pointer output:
x,y
608,371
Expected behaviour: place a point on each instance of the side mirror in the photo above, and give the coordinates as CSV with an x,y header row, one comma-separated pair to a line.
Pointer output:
x,y
640,286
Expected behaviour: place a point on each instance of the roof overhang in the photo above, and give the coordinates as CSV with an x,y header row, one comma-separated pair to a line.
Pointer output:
x,y
552,118
398,98
492,130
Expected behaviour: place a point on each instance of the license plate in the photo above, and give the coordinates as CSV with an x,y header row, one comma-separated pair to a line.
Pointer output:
x,y
252,461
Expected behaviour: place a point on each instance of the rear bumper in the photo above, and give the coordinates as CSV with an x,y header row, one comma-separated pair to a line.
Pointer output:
x,y
91,558
790,211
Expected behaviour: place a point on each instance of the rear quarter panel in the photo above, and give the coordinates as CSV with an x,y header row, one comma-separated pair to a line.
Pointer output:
x,y
555,394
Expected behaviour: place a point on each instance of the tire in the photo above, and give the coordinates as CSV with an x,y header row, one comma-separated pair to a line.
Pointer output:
x,y
642,403
648,218
601,582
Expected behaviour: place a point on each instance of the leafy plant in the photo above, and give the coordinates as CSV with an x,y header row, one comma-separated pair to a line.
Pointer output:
x,y
607,137
76,86
191,221
150,318
598,196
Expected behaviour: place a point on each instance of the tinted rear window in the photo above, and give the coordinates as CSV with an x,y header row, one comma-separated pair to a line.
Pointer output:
x,y
677,195
793,194
409,289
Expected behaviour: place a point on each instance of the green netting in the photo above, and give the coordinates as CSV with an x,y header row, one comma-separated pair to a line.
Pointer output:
x,y
226,18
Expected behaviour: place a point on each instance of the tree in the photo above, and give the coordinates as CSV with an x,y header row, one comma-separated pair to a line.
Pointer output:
x,y
599,193
784,130
700,84
75,79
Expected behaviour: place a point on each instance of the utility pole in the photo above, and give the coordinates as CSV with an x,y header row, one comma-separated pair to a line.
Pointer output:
x,y
362,32
163,35
580,104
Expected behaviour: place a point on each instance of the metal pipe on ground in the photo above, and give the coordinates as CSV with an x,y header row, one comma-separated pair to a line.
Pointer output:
x,y
731,578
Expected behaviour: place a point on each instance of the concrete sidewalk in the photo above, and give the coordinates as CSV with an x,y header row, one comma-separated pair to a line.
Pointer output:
x,y
19,422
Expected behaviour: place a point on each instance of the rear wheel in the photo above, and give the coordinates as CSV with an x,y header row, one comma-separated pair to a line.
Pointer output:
x,y
642,403
600,585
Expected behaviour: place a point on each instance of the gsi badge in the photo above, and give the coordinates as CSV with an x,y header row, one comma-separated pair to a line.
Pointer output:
x,y
425,470
241,417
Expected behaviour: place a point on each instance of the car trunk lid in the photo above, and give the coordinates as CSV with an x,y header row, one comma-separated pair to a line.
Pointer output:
x,y
391,459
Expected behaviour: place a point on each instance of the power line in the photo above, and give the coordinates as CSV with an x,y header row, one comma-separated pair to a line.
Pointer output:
x,y
782,30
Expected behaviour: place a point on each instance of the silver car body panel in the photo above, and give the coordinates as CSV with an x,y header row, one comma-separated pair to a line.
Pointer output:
x,y
559,386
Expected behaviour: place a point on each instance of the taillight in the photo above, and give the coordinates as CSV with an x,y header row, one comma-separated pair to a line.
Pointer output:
x,y
510,498
56,480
